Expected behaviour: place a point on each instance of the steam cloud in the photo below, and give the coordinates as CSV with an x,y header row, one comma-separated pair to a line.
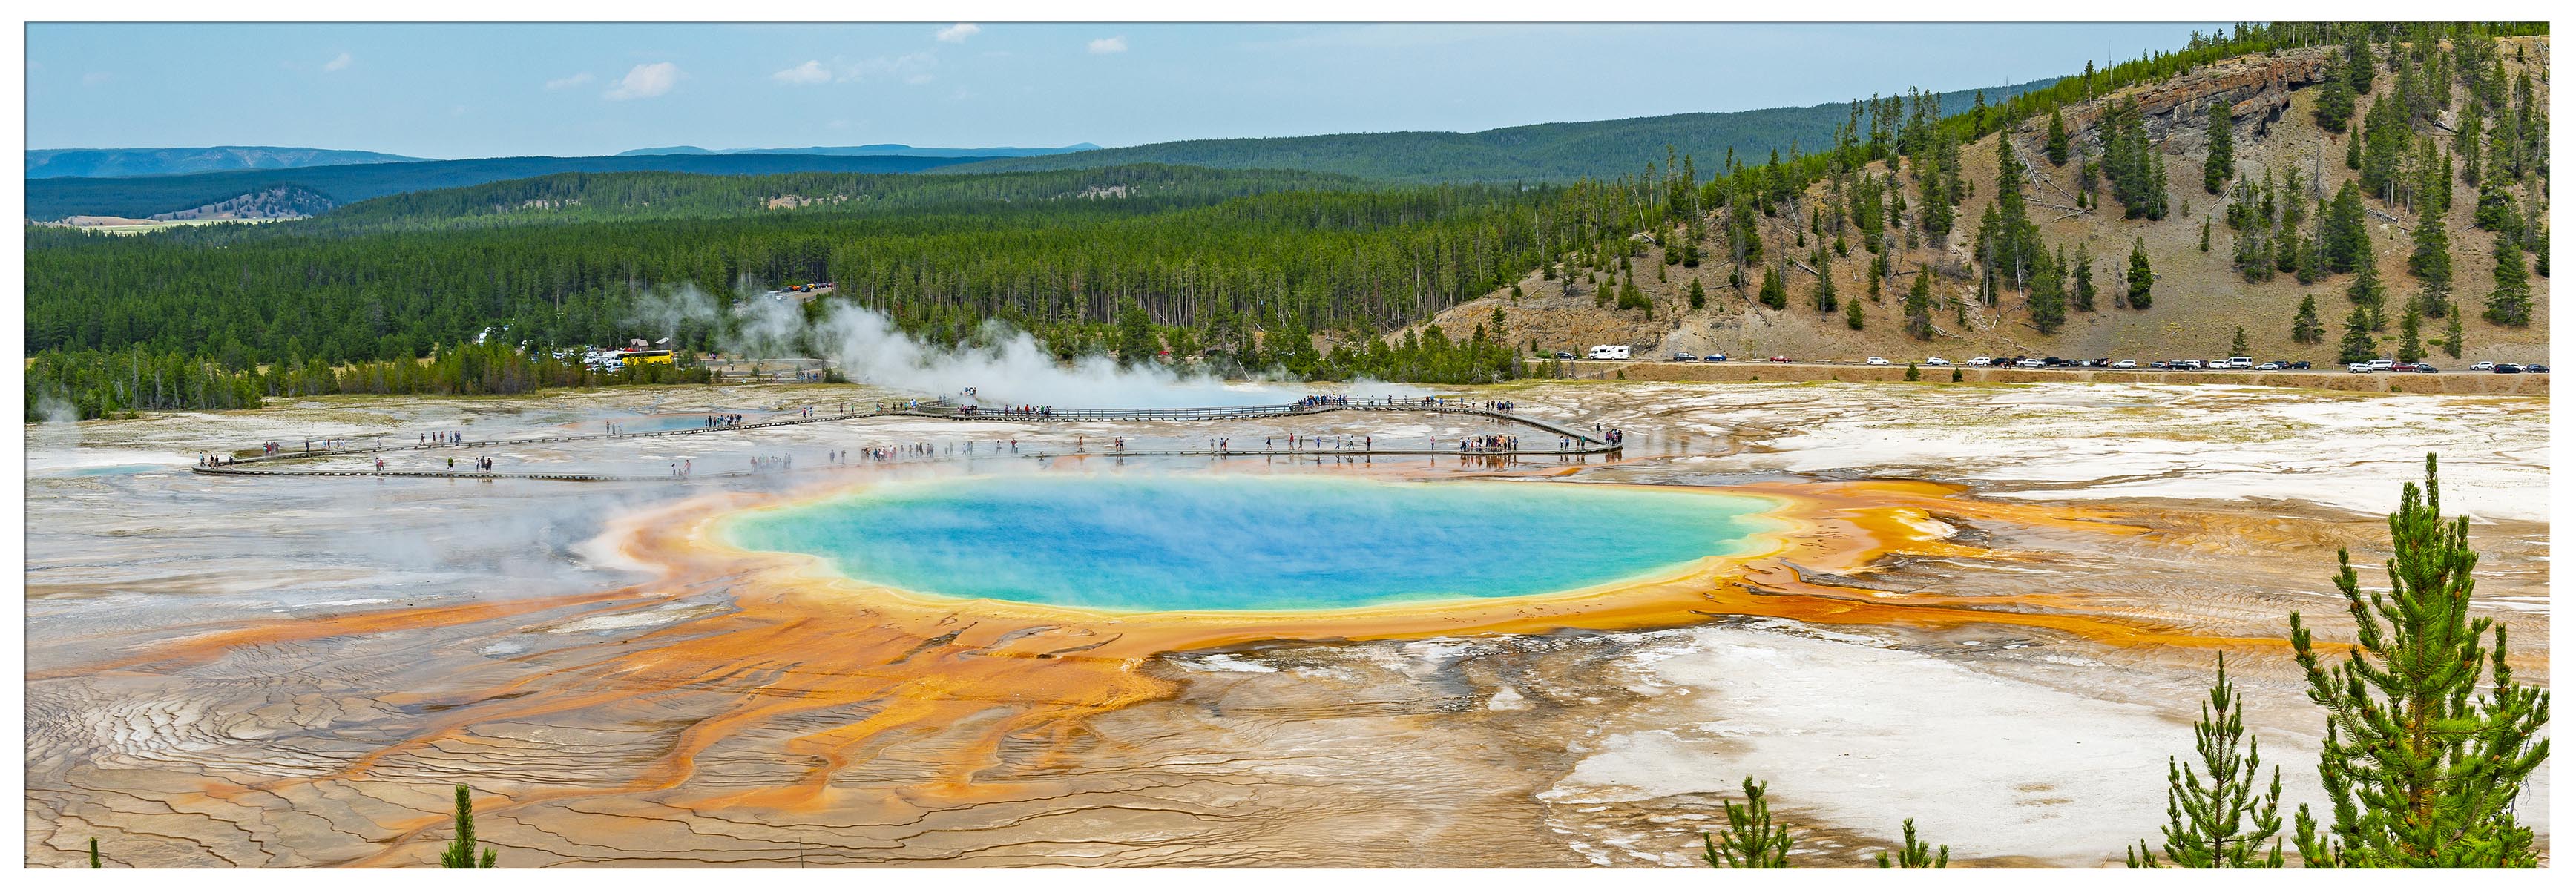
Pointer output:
x,y
1010,369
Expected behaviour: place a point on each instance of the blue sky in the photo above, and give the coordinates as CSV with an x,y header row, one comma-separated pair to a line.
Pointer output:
x,y
480,90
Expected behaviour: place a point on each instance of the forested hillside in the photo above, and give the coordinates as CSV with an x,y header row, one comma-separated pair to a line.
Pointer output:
x,y
140,197
2377,190
1212,253
1558,152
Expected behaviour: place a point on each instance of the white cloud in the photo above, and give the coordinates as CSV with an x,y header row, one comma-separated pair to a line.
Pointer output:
x,y
568,82
1107,45
338,63
958,33
645,82
911,68
812,72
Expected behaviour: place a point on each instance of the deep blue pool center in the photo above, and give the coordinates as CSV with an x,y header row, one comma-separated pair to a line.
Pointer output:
x,y
1189,542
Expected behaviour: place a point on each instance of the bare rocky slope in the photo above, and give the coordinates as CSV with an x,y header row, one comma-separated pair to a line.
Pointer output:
x,y
2199,299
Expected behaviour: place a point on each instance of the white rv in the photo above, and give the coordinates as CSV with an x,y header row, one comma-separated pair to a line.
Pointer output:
x,y
1610,352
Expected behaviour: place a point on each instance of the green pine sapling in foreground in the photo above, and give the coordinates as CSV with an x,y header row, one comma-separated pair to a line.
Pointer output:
x,y
1915,853
1750,840
460,853
2424,768
2218,819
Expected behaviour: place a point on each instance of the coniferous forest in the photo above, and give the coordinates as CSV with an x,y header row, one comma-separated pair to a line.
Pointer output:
x,y
1241,266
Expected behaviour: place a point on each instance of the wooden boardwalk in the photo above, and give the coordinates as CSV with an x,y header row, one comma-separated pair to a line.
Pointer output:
x,y
1583,443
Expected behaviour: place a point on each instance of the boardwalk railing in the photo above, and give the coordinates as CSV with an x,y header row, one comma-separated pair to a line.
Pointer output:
x,y
1582,442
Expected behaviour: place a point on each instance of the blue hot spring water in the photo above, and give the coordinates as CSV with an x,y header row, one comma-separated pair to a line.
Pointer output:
x,y
1201,543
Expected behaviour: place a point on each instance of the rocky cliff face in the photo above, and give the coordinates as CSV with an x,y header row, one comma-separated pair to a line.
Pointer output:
x,y
2256,89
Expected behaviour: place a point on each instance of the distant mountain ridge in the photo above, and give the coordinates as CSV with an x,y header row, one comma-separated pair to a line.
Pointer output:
x,y
887,149
1531,152
141,197
45,163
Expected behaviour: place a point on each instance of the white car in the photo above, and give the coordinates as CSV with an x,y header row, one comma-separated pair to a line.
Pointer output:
x,y
2483,366
1981,361
2031,363
2270,366
1937,361
2125,363
2382,364
2358,368
1875,360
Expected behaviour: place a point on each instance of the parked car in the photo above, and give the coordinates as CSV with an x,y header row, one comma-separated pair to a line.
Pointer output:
x,y
1684,357
2240,361
2414,368
1981,361
2382,364
1780,358
2357,368
2269,366
1714,357
2508,368
2535,369
2483,366
2125,363
2422,368
1564,354
2301,366
1937,361
2184,364
1875,360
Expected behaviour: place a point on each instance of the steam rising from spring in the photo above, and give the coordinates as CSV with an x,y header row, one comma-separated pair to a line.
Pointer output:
x,y
1008,368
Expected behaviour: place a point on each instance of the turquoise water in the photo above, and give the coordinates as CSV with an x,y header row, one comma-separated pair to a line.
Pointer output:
x,y
1174,543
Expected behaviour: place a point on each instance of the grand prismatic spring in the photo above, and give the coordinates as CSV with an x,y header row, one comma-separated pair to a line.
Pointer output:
x,y
1011,641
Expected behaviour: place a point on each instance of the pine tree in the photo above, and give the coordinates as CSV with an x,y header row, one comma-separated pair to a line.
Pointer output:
x,y
1136,341
1914,853
2056,138
2431,261
2510,303
460,853
2451,337
1825,303
2366,289
1698,295
2343,230
2334,108
2424,771
2142,279
2048,293
1749,839
93,854
2204,236
1852,315
2410,343
2358,345
2221,164
2237,346
2084,291
1918,305
2221,822
2306,328
1912,373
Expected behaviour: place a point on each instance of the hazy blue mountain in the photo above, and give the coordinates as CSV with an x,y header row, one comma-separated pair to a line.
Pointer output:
x,y
886,149
1534,152
142,196
51,162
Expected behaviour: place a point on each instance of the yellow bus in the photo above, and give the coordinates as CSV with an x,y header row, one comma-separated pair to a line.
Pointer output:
x,y
644,357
